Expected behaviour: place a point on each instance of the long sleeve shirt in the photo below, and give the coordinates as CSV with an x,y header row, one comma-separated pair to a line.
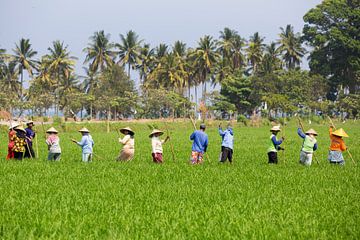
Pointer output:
x,y
156,145
128,142
303,136
30,135
86,144
337,143
53,142
200,141
227,138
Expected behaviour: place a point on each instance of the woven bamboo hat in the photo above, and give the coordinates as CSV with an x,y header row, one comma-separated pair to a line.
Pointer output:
x,y
52,130
29,122
21,128
311,131
84,129
122,130
275,129
340,133
13,125
156,131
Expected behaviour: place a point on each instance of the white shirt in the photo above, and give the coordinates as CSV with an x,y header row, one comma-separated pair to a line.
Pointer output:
x,y
127,141
156,145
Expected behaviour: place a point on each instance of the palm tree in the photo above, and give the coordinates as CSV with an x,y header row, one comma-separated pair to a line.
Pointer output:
x,y
90,82
290,47
255,51
205,60
60,65
129,50
99,51
23,54
270,61
9,80
179,49
146,62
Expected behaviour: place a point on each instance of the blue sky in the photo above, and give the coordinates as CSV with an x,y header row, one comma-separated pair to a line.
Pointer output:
x,y
157,21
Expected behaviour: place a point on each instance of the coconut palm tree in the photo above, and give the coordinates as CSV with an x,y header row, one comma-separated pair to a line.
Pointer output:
x,y
129,50
147,57
290,47
100,52
270,61
205,60
90,82
9,80
23,57
255,51
60,65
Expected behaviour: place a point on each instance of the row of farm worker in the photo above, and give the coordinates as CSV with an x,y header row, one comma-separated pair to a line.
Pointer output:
x,y
21,144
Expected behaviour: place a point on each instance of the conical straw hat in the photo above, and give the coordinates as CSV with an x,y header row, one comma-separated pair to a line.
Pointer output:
x,y
275,128
122,130
156,131
84,129
13,125
311,131
21,128
52,130
340,133
29,122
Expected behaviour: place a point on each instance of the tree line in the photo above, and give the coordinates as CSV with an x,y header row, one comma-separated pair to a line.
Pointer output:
x,y
254,77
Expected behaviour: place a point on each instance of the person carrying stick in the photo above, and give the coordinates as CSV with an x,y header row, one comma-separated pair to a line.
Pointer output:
x,y
30,135
274,145
337,145
11,135
87,144
199,146
309,145
128,151
156,144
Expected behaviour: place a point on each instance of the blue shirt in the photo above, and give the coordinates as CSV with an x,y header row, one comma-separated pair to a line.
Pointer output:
x,y
86,144
200,141
227,137
302,135
30,134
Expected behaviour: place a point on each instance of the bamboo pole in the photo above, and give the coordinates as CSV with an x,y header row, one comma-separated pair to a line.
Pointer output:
x,y
171,145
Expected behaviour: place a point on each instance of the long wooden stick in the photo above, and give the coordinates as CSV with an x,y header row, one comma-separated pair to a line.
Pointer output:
x,y
283,134
302,128
37,146
347,150
194,125
171,145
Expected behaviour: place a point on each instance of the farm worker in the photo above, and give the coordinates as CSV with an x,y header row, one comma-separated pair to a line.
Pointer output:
x,y
12,135
53,143
274,145
227,143
30,135
308,147
19,143
86,143
337,146
128,142
200,144
156,145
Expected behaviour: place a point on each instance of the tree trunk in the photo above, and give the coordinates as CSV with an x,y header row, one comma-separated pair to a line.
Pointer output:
x,y
195,100
129,70
91,111
108,119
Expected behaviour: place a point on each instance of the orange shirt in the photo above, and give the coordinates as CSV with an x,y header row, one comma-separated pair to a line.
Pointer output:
x,y
337,143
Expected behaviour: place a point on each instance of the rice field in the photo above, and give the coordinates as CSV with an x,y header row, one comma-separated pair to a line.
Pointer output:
x,y
141,200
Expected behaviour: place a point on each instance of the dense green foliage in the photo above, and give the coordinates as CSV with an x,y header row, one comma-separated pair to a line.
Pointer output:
x,y
139,199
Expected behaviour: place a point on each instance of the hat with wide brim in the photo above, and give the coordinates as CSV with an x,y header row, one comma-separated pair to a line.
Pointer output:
x,y
340,133
156,131
122,130
21,128
275,129
52,130
13,125
311,131
84,130
29,122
